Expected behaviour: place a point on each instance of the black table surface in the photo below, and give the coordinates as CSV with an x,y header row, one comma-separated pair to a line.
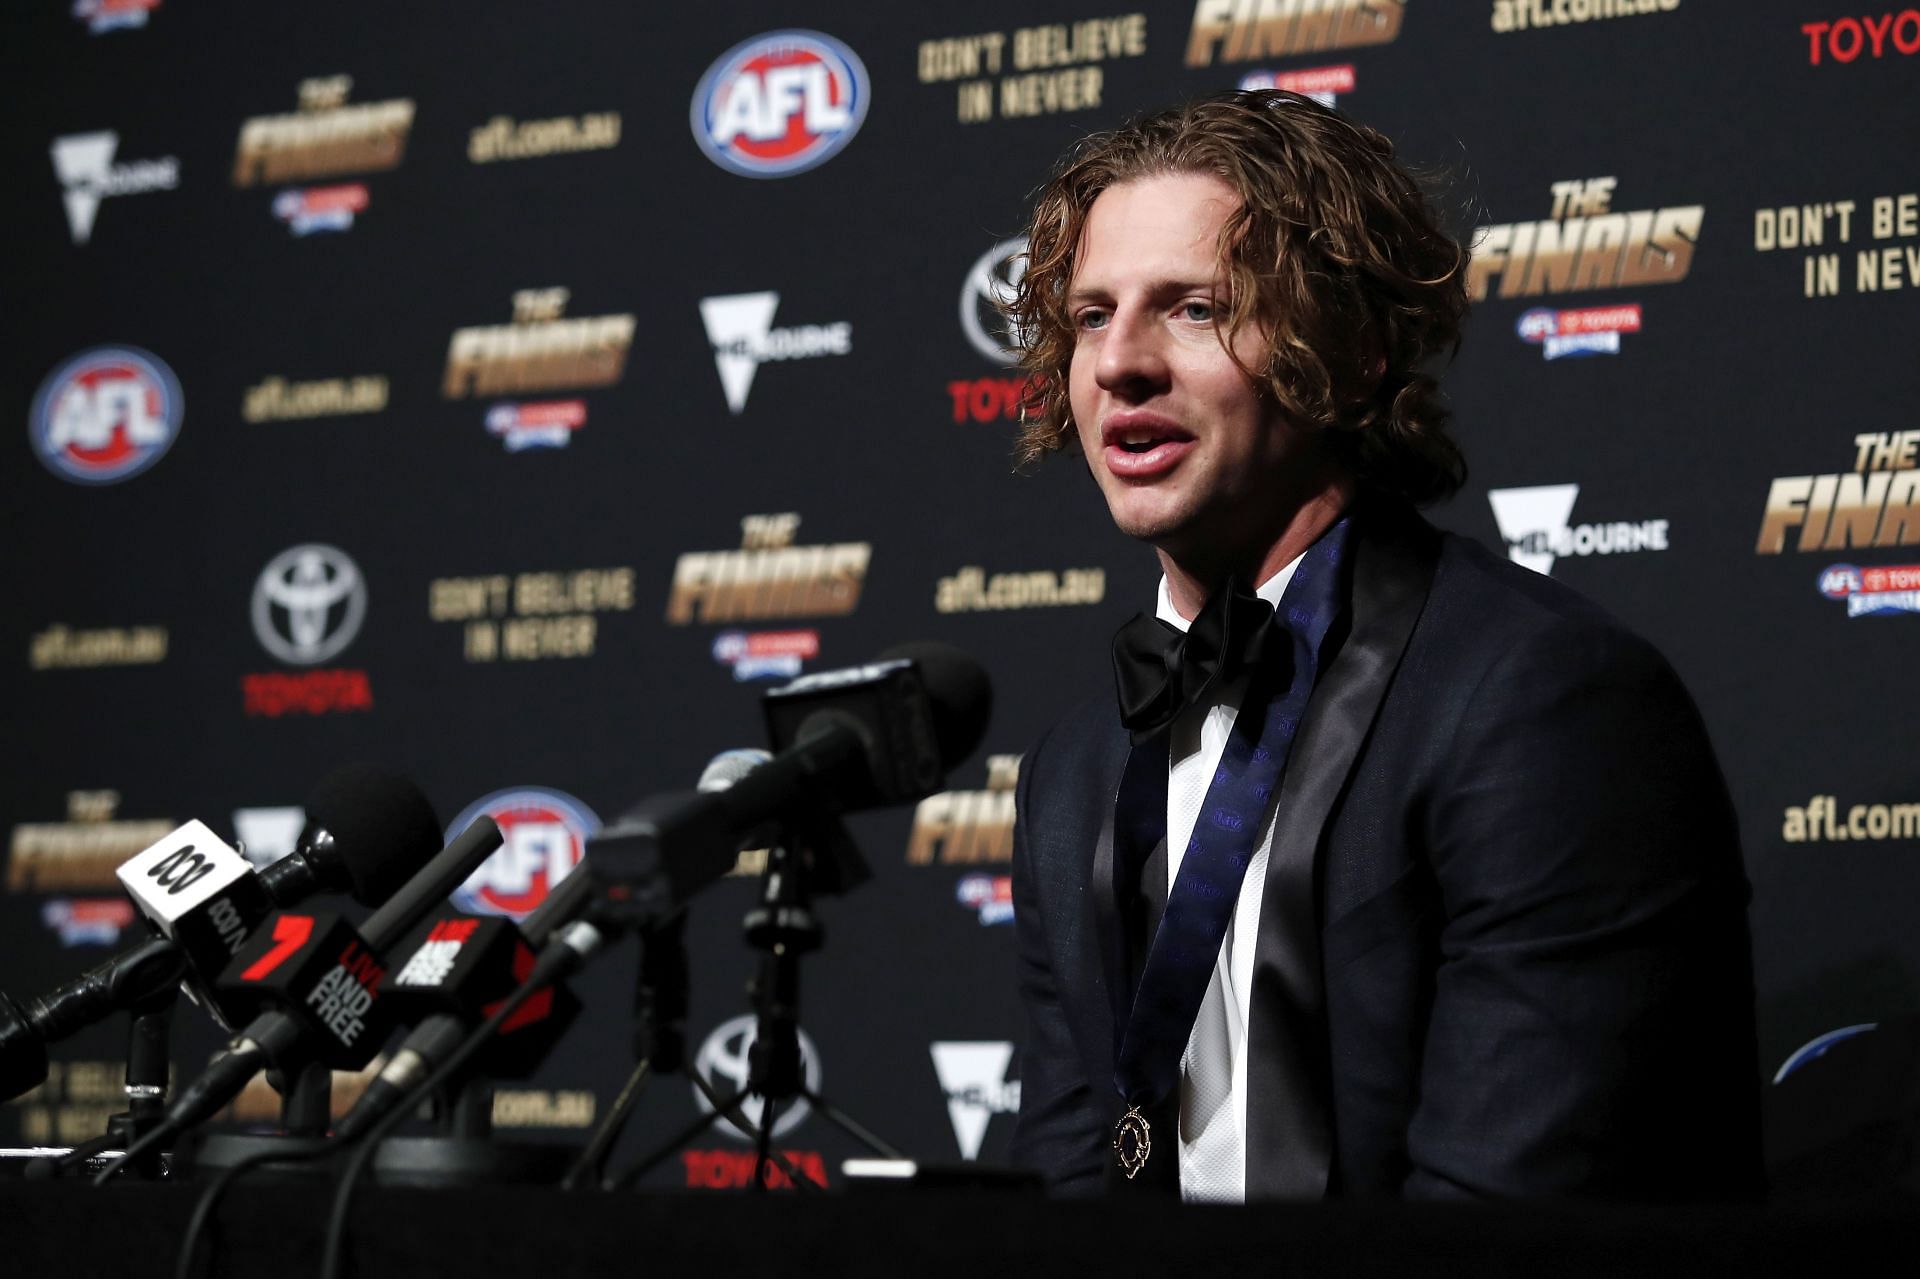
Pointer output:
x,y
134,1229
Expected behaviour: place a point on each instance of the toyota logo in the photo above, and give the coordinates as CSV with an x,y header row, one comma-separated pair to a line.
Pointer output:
x,y
723,1060
991,284
309,603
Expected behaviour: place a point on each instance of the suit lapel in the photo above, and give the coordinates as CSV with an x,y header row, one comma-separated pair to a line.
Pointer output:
x,y
1136,810
1290,1104
1081,878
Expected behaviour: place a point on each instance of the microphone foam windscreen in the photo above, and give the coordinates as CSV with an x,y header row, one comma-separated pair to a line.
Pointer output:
x,y
383,828
959,690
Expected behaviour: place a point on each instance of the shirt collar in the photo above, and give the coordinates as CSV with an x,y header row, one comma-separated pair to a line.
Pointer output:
x,y
1270,590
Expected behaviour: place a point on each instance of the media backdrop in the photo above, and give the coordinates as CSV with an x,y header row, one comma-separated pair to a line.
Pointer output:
x,y
508,393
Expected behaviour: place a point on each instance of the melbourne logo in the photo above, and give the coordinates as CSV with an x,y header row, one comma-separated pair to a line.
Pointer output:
x,y
990,286
740,327
84,164
723,1062
544,836
308,604
974,1078
1584,244
1536,524
265,835
780,103
106,415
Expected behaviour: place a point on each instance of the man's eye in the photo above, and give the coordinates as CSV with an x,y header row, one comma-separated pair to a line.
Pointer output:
x,y
1093,319
1198,312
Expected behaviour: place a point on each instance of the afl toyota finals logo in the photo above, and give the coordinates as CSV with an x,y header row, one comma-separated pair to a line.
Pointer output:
x,y
308,604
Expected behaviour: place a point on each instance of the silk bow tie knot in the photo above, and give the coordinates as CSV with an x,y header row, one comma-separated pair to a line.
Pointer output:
x,y
1159,671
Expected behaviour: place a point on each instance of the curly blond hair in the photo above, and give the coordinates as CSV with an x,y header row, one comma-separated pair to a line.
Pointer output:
x,y
1333,252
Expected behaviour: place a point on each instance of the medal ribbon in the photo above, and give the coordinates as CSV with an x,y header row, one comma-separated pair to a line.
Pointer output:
x,y
1152,1038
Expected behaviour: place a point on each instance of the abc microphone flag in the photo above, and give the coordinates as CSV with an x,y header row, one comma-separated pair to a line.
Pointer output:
x,y
199,892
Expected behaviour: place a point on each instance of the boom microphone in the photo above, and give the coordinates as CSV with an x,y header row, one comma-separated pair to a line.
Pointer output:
x,y
865,737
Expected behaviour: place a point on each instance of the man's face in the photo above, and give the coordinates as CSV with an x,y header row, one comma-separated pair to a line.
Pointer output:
x,y
1190,456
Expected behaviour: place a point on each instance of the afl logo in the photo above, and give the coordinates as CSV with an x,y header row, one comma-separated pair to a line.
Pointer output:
x,y
780,103
1837,581
545,836
1537,325
105,415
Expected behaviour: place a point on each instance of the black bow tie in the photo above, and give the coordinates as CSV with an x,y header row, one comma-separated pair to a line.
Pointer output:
x,y
1159,671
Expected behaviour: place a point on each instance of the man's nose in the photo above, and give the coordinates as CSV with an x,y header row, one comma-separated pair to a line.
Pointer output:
x,y
1133,361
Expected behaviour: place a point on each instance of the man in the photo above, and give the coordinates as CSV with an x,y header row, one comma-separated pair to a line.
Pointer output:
x,y
1413,874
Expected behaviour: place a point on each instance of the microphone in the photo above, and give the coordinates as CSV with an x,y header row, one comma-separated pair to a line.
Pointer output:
x,y
365,832
458,970
729,766
864,737
312,983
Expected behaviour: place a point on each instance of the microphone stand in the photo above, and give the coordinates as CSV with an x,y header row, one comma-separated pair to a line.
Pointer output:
x,y
149,1065
660,993
306,1115
783,929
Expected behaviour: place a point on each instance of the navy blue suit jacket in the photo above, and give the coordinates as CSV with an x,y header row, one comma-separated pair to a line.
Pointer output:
x,y
1503,946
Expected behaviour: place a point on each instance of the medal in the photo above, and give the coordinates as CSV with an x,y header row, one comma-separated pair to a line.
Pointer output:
x,y
1132,1141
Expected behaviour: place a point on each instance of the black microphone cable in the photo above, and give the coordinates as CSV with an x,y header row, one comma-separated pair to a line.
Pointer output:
x,y
201,1221
567,949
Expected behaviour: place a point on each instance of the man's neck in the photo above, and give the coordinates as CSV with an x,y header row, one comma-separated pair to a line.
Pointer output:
x,y
1191,579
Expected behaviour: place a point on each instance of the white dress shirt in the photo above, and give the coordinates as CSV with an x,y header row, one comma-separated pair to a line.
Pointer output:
x,y
1213,1071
